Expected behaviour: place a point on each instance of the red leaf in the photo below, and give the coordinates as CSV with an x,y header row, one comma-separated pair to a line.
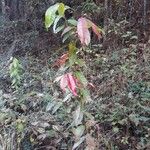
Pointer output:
x,y
95,28
69,81
72,83
83,32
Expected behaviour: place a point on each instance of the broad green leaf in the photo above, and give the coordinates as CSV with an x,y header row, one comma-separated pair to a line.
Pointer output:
x,y
81,78
50,15
61,9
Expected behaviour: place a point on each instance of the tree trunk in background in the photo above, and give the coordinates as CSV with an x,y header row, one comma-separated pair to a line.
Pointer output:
x,y
106,16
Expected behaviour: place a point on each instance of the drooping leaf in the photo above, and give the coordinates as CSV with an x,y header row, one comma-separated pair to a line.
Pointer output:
x,y
67,29
72,83
58,29
95,28
56,22
69,81
83,32
67,35
50,15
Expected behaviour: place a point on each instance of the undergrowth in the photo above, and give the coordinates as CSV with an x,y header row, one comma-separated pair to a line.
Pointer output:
x,y
38,115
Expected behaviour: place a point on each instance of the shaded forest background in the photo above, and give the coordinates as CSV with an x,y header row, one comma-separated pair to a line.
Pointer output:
x,y
34,117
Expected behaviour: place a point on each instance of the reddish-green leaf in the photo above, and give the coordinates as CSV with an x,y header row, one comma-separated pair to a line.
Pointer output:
x,y
95,28
71,83
83,32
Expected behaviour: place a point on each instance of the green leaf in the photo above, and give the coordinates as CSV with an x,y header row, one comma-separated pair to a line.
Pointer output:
x,y
56,22
66,36
66,30
72,53
50,15
86,95
72,21
80,62
81,78
59,29
61,9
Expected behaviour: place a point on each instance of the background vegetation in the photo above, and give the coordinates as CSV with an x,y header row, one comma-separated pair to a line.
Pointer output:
x,y
36,114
